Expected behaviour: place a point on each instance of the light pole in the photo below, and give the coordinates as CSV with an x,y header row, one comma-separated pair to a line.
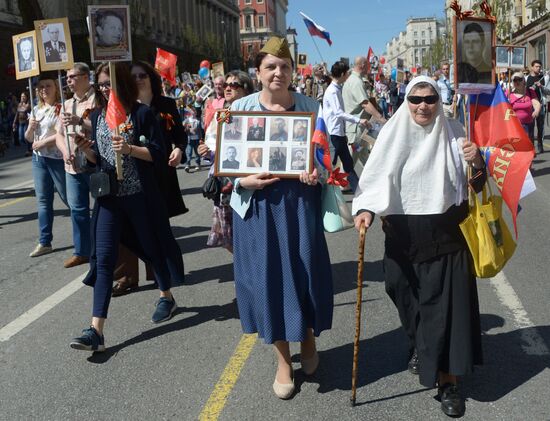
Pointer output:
x,y
225,58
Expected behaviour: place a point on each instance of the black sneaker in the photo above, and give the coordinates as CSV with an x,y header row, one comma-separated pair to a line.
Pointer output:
x,y
164,311
452,403
90,340
541,148
413,363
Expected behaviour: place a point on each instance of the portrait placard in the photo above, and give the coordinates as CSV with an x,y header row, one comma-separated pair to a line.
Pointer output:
x,y
517,58
25,54
110,33
217,70
503,56
54,44
474,39
204,92
302,61
254,142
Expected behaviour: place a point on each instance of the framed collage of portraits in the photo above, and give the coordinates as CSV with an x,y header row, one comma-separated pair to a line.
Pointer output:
x,y
255,142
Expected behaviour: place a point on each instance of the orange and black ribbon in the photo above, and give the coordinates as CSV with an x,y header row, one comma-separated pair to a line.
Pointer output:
x,y
460,15
169,120
487,10
126,127
224,116
57,109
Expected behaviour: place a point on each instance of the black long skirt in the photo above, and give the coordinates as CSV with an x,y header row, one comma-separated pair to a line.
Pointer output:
x,y
439,310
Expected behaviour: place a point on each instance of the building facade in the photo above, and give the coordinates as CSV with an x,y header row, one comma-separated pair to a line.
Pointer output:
x,y
415,45
259,20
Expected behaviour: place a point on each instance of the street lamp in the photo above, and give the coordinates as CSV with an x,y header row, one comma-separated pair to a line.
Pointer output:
x,y
225,58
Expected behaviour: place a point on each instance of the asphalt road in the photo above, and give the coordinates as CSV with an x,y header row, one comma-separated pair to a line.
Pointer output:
x,y
197,364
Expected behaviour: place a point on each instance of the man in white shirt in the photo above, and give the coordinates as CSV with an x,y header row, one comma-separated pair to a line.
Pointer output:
x,y
446,90
335,118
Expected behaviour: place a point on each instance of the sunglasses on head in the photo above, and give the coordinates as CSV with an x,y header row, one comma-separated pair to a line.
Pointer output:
x,y
232,85
140,76
429,99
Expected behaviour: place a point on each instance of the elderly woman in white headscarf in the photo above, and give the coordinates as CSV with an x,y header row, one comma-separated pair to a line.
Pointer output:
x,y
415,179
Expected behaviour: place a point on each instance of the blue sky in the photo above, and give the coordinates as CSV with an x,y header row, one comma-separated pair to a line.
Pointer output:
x,y
354,25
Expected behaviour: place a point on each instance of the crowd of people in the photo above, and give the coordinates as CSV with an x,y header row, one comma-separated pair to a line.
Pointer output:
x,y
416,179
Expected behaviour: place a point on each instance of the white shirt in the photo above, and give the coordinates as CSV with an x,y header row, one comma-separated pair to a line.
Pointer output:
x,y
333,111
444,86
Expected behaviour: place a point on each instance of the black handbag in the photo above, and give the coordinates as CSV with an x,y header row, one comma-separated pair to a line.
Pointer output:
x,y
211,188
103,183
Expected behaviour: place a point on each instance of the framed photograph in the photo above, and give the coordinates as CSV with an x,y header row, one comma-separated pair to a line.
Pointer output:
x,y
186,77
400,77
474,39
502,53
205,91
25,54
517,60
54,44
302,61
253,142
110,38
217,70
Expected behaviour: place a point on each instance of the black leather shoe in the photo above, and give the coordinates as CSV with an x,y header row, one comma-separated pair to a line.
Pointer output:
x,y
413,364
452,403
541,148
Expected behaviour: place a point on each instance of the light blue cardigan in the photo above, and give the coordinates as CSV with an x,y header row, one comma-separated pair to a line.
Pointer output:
x,y
240,198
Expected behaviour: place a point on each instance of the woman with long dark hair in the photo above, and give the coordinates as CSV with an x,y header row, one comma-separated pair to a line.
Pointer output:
x,y
133,212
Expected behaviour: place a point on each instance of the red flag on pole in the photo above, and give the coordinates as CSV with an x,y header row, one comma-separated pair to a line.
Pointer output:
x,y
116,114
370,55
165,64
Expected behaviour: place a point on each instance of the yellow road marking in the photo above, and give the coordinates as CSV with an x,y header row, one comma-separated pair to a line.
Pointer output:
x,y
229,377
14,201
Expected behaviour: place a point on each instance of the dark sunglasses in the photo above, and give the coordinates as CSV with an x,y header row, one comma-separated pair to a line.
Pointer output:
x,y
232,85
517,79
104,85
430,99
140,76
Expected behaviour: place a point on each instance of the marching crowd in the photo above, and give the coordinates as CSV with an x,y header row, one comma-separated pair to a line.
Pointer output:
x,y
416,179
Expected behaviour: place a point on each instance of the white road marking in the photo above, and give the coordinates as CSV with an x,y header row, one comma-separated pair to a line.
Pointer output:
x,y
24,184
40,309
532,342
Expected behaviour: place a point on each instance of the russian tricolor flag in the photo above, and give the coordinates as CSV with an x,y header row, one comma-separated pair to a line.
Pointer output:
x,y
316,30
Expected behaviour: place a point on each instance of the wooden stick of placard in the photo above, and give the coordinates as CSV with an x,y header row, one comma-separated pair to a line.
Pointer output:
x,y
118,163
63,107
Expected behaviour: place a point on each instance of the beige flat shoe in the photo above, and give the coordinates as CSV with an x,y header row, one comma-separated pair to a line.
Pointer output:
x,y
284,390
309,365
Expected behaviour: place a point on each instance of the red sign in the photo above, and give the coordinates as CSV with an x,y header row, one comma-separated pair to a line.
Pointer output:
x,y
165,64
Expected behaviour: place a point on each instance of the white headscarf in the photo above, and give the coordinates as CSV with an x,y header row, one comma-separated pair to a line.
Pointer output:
x,y
413,169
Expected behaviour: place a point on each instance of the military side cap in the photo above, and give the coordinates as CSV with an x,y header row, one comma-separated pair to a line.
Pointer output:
x,y
277,47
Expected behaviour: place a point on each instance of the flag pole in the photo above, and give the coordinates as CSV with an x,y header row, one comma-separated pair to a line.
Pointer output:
x,y
118,163
319,51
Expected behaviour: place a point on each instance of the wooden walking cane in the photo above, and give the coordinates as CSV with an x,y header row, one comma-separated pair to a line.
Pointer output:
x,y
362,233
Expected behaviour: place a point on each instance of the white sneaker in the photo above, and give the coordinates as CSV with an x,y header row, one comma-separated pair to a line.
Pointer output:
x,y
40,250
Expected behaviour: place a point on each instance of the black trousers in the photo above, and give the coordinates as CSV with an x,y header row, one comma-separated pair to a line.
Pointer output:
x,y
539,122
439,311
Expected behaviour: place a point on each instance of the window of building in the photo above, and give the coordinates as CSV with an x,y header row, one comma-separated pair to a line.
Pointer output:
x,y
541,51
261,21
249,48
423,33
247,1
259,1
415,42
248,22
423,42
415,33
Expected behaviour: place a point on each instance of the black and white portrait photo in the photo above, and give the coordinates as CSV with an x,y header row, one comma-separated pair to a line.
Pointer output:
x,y
233,129
110,33
54,44
518,58
230,162
256,129
55,47
25,54
474,51
26,58
298,161
279,130
277,159
299,130
302,60
502,56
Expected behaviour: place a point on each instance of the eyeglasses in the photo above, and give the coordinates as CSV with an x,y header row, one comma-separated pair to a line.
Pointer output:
x,y
140,76
104,85
74,76
429,99
232,85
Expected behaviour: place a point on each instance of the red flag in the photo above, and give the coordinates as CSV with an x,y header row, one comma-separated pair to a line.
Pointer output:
x,y
165,64
507,148
116,114
370,55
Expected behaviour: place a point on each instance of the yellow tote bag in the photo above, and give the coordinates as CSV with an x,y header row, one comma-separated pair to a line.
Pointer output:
x,y
489,240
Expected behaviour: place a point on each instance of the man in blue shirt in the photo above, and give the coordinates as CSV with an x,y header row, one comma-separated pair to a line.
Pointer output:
x,y
447,93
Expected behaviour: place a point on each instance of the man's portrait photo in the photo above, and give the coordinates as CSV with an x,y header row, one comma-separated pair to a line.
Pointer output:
x,y
277,159
502,55
299,130
256,129
26,57
279,130
55,48
298,159
110,33
232,130
518,58
474,52
230,162
302,60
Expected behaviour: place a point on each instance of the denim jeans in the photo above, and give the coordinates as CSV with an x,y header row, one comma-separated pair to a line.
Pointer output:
x,y
192,148
383,104
22,140
78,196
339,149
47,173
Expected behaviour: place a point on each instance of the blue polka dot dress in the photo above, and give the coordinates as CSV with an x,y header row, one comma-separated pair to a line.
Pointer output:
x,y
283,275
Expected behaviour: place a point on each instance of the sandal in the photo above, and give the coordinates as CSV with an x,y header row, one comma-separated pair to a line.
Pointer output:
x,y
124,286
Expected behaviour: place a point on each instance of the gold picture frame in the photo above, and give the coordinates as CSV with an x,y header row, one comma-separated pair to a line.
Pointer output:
x,y
253,142
54,44
25,55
